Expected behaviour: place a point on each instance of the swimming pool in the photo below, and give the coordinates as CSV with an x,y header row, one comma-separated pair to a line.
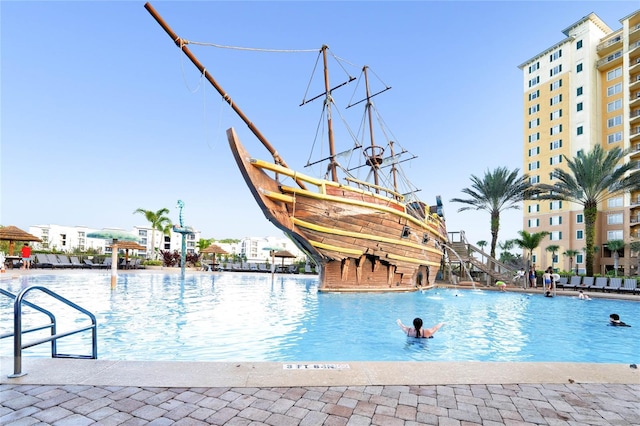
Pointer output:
x,y
249,317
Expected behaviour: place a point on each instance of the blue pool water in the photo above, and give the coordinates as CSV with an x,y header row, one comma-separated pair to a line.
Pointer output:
x,y
249,317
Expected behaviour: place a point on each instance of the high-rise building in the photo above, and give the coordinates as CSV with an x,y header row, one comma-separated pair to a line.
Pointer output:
x,y
582,91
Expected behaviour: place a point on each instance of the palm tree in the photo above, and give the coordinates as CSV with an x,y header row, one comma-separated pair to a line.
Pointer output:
x,y
481,244
203,243
553,249
571,254
499,190
530,242
158,221
592,177
614,246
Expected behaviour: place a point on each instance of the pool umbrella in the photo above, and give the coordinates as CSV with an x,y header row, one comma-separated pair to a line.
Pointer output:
x,y
214,249
128,245
284,254
13,234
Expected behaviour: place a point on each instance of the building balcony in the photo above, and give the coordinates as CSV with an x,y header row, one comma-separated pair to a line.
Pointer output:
x,y
634,134
634,99
608,46
610,60
634,220
634,117
634,33
634,82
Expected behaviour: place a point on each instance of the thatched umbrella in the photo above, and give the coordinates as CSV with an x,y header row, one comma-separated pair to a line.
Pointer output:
x,y
284,254
128,245
214,249
13,234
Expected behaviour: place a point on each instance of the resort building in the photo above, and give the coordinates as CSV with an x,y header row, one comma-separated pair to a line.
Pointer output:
x,y
582,91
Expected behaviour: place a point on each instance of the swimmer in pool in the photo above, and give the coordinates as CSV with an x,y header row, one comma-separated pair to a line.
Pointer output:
x,y
581,295
614,319
418,331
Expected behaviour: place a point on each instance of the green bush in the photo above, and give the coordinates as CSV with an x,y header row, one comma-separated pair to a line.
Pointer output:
x,y
152,262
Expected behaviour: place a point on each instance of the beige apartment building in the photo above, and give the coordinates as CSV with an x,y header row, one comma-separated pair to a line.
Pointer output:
x,y
582,91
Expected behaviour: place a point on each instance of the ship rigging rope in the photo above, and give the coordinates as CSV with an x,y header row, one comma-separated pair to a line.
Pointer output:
x,y
254,49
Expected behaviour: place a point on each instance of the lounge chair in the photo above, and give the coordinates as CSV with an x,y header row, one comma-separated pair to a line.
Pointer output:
x,y
75,263
630,285
562,282
587,282
253,267
43,261
574,282
600,284
615,284
53,260
91,265
63,261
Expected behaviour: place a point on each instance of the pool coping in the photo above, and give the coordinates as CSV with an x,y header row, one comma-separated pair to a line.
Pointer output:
x,y
48,371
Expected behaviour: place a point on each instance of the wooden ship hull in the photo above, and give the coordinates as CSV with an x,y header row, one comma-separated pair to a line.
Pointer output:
x,y
359,239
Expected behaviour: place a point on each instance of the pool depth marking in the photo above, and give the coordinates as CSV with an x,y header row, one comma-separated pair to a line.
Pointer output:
x,y
315,366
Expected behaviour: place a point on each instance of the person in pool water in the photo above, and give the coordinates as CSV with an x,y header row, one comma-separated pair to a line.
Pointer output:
x,y
418,331
614,319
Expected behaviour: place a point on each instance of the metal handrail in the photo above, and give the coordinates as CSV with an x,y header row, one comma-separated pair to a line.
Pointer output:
x,y
18,346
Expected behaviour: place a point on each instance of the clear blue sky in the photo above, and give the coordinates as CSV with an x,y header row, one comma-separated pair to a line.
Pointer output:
x,y
100,114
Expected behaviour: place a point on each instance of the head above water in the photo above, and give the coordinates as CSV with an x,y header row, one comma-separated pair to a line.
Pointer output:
x,y
614,317
417,323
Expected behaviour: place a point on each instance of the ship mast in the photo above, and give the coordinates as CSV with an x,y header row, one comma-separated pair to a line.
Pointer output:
x,y
373,153
328,101
182,44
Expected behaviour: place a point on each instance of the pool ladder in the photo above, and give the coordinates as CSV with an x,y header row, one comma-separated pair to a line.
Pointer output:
x,y
18,345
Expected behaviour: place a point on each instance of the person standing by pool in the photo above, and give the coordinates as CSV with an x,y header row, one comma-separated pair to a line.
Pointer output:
x,y
502,285
26,256
532,277
546,279
417,330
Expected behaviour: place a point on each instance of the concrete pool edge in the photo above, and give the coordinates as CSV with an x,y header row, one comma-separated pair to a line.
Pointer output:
x,y
48,371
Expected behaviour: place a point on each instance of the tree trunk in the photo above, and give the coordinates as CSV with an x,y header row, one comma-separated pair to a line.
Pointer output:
x,y
590,216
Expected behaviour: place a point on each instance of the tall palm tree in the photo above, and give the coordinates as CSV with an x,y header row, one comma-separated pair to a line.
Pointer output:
x,y
592,177
500,189
158,221
530,242
203,243
553,249
614,246
571,253
481,244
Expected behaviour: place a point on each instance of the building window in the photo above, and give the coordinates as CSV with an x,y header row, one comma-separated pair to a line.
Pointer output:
x,y
579,218
556,159
555,70
579,91
555,220
534,81
555,100
579,258
556,129
580,130
534,223
534,165
614,105
614,202
555,55
555,205
615,121
579,106
579,68
615,73
555,235
534,137
578,44
555,85
557,144
534,208
534,67
614,235
534,108
534,179
555,114
579,234
614,219
534,95
534,123
615,89
614,137
534,151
